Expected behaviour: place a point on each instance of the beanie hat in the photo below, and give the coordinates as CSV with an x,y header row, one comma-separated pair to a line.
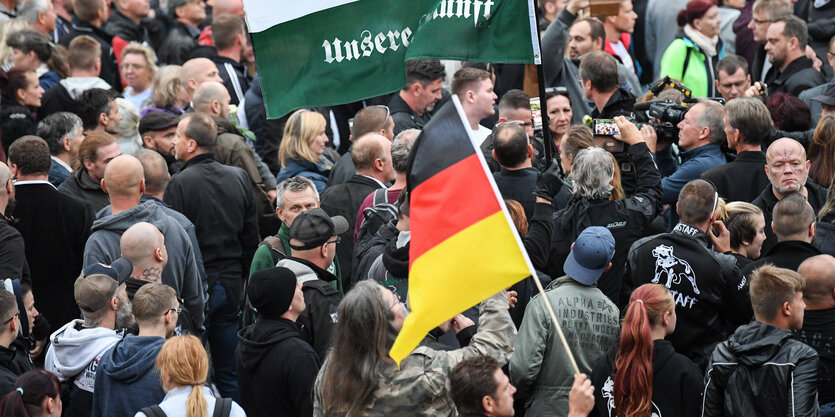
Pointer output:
x,y
271,291
695,10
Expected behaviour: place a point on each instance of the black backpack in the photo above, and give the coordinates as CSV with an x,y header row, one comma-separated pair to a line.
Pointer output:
x,y
223,407
381,212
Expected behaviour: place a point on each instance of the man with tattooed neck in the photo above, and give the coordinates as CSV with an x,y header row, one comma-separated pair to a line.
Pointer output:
x,y
124,182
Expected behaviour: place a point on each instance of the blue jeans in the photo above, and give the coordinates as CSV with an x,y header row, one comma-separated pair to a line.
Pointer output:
x,y
828,410
222,333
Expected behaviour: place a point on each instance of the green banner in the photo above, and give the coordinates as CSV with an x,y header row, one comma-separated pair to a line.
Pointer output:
x,y
358,50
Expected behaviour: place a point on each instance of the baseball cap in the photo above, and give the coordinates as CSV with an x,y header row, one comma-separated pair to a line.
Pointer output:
x,y
314,227
119,270
271,291
590,256
828,96
156,121
93,292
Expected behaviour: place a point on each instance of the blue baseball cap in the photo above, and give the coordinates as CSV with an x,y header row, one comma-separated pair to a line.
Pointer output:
x,y
119,270
591,254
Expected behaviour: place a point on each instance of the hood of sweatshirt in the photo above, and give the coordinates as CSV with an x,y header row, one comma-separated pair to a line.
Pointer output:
x,y
303,272
255,341
132,358
74,347
145,212
77,85
756,343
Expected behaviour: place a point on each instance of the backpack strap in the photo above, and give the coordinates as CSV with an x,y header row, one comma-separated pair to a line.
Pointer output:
x,y
223,407
153,411
380,196
686,62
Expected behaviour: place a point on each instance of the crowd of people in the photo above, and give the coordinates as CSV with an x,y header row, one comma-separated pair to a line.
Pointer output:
x,y
165,249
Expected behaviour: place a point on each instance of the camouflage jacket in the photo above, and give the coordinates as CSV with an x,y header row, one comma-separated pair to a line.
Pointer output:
x,y
421,386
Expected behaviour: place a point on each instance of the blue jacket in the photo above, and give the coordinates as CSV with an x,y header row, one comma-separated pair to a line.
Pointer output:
x,y
126,380
694,163
57,174
318,173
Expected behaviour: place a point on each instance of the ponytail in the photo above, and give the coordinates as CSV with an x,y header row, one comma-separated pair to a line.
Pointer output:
x,y
196,405
633,364
27,399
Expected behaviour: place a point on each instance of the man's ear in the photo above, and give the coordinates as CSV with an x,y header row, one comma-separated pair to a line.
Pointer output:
x,y
67,144
598,44
103,186
102,119
772,228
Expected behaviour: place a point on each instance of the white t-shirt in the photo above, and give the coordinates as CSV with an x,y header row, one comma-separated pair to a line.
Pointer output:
x,y
623,54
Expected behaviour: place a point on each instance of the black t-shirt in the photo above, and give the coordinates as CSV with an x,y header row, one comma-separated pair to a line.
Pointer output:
x,y
819,333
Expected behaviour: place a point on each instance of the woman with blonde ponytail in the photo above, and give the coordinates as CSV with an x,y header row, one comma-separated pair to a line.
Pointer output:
x,y
644,376
183,367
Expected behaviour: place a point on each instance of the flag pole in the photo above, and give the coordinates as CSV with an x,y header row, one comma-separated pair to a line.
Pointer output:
x,y
550,148
556,324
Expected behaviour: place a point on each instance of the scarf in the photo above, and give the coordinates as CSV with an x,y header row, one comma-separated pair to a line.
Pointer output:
x,y
707,45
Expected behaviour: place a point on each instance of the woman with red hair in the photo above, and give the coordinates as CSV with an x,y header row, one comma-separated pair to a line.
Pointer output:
x,y
692,57
645,376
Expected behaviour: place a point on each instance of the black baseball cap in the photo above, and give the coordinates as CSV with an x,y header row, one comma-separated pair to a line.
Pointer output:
x,y
314,227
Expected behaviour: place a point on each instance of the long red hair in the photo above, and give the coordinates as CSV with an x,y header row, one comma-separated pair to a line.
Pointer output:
x,y
633,364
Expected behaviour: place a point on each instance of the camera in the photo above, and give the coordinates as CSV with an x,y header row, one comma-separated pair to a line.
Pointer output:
x,y
664,116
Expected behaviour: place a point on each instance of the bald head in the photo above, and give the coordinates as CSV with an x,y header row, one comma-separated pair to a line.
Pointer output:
x,y
233,7
5,174
6,189
819,274
196,72
211,98
367,149
140,244
155,169
782,146
124,177
786,166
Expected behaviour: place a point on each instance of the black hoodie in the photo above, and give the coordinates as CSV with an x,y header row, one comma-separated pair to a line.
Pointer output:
x,y
676,383
761,371
273,362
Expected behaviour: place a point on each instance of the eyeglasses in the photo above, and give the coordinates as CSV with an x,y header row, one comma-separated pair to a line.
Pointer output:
x,y
337,240
396,298
178,309
550,90
830,54
13,317
761,22
385,119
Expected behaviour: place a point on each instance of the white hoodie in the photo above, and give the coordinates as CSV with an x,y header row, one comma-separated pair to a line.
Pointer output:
x,y
77,85
74,348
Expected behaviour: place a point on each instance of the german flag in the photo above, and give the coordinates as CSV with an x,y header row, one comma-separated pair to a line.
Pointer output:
x,y
463,247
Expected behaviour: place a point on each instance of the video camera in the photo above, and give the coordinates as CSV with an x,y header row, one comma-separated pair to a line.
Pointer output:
x,y
665,115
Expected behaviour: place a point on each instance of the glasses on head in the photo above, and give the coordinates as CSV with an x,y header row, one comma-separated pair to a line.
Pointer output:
x,y
16,315
178,309
385,119
335,241
550,90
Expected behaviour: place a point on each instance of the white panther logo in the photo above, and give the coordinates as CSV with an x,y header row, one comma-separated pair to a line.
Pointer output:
x,y
667,263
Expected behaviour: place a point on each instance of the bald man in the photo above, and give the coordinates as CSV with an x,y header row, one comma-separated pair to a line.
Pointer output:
x,y
819,276
124,182
196,71
371,154
787,170
212,98
12,254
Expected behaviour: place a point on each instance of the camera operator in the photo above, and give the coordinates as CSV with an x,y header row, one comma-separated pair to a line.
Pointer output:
x,y
599,76
700,136
590,205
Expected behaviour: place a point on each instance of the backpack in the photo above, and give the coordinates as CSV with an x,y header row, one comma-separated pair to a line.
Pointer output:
x,y
381,212
246,312
223,407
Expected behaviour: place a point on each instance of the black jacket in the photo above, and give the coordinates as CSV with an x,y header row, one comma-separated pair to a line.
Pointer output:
x,y
788,254
818,333
12,253
798,76
365,256
518,184
621,103
676,383
148,31
55,227
741,179
178,44
626,219
761,371
109,66
234,77
218,200
15,121
404,117
273,362
57,99
80,185
767,200
345,200
710,293
342,170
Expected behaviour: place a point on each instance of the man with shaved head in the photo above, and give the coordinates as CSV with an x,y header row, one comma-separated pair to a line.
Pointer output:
x,y
818,274
371,155
124,182
12,254
196,71
787,170
211,98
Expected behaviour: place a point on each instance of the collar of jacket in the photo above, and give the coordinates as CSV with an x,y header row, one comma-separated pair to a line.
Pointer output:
x,y
692,232
320,273
203,158
85,182
795,66
793,247
701,150
97,31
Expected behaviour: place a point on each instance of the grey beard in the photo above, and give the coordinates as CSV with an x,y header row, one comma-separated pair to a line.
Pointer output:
x,y
124,315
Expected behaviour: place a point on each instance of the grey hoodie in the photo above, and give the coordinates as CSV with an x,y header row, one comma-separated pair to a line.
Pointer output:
x,y
73,348
77,85
181,272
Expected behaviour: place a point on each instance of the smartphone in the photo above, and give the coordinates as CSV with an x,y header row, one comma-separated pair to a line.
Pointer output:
x,y
605,127
536,111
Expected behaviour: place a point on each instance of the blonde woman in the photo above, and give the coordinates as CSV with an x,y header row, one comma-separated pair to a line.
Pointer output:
x,y
302,150
183,367
167,92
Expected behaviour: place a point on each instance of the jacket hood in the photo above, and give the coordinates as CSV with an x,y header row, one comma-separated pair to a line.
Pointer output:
x,y
303,272
77,85
756,343
132,358
662,352
255,341
73,349
145,212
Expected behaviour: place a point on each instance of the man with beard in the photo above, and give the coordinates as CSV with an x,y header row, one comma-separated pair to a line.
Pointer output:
x,y
788,170
157,130
791,72
77,347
